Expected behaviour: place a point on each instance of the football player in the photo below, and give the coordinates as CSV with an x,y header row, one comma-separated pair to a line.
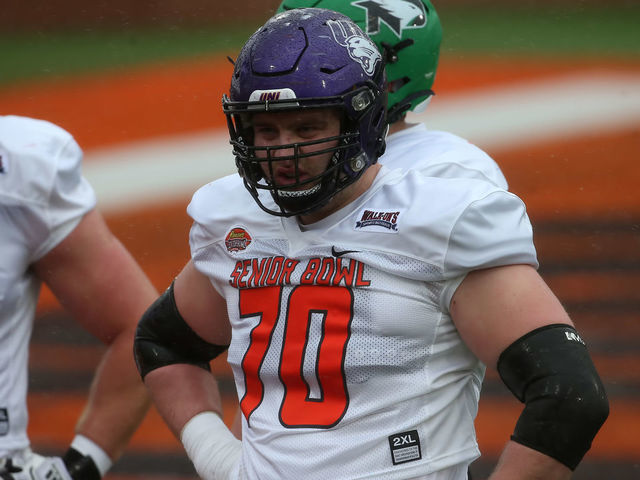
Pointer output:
x,y
408,34
359,303
51,232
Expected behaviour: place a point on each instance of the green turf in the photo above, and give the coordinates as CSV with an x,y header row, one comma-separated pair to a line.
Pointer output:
x,y
58,54
553,31
518,30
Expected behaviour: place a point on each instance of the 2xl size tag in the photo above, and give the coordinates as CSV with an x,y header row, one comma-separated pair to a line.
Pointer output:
x,y
405,447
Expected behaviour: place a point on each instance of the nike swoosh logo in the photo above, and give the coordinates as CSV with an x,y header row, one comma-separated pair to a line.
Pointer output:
x,y
339,253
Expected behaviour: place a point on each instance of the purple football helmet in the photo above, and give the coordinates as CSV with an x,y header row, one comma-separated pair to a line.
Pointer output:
x,y
303,59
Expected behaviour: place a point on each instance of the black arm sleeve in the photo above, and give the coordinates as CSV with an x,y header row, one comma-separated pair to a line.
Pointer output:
x,y
550,370
164,338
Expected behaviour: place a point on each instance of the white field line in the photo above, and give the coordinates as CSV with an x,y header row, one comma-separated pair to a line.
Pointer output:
x,y
525,114
139,174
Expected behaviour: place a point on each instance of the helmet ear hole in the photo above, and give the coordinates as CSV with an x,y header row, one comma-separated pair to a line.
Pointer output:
x,y
396,85
391,51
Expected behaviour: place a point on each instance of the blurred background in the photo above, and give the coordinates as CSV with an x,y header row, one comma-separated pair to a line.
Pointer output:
x,y
550,88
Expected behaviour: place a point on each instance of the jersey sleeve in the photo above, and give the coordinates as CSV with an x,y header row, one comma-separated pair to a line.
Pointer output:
x,y
215,205
212,207
470,163
491,232
199,209
67,198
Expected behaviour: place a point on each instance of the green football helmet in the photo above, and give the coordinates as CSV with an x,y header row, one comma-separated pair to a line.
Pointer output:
x,y
407,33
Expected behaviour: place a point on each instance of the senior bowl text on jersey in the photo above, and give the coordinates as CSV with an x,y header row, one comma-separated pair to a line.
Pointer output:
x,y
278,271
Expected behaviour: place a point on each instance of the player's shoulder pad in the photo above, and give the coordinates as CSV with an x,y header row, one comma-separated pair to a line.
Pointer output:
x,y
422,147
217,207
455,224
30,157
220,199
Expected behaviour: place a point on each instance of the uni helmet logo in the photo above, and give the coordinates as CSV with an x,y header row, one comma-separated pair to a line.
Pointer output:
x,y
398,15
360,48
271,95
237,239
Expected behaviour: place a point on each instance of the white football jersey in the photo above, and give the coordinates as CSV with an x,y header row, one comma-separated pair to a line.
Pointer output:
x,y
42,198
345,357
440,154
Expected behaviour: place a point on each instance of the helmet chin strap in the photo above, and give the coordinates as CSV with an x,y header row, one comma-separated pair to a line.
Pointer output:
x,y
291,194
307,194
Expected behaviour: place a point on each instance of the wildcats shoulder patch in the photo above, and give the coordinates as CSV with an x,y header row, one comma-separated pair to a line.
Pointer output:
x,y
237,239
405,447
378,221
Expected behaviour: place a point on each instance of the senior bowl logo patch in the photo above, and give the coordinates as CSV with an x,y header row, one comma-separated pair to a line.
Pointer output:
x,y
237,239
378,220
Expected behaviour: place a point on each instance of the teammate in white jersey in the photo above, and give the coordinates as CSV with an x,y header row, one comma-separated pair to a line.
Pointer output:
x,y
51,232
359,303
408,34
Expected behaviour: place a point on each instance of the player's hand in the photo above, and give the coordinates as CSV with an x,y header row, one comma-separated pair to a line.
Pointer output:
x,y
36,467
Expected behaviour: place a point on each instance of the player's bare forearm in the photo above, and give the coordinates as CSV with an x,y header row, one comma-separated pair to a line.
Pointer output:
x,y
118,400
518,462
181,391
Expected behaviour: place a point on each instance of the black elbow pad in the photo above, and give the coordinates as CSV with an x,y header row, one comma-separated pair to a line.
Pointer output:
x,y
550,370
164,338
